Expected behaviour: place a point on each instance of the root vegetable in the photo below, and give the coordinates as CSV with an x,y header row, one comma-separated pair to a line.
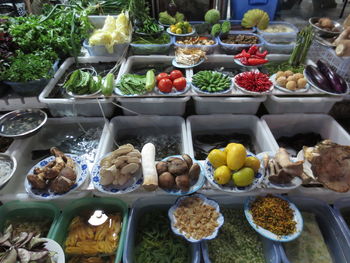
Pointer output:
x,y
194,172
345,35
343,48
188,160
281,81
291,85
150,177
301,83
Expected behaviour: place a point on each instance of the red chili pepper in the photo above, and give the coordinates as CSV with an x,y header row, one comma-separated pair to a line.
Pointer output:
x,y
261,54
256,61
243,54
254,81
244,61
253,49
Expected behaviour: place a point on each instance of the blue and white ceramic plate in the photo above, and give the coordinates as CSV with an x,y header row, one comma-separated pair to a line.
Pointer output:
x,y
174,92
297,218
111,189
251,92
296,182
238,62
81,170
181,35
178,65
207,201
194,188
230,187
198,90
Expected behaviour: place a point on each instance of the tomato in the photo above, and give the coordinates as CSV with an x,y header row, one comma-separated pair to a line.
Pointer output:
x,y
175,74
162,76
165,85
180,83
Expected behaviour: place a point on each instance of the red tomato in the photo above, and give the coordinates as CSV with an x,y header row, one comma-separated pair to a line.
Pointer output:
x,y
175,74
162,76
180,83
165,85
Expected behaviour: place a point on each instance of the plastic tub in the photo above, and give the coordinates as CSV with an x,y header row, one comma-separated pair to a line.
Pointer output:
x,y
66,106
79,206
139,208
279,48
271,251
119,50
326,219
236,48
209,49
300,104
340,206
239,7
143,49
30,210
292,34
166,106
223,124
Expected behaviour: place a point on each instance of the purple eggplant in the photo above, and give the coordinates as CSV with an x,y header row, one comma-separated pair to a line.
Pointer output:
x,y
337,83
317,78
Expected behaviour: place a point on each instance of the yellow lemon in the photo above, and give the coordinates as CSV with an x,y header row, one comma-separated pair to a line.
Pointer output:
x,y
236,156
253,163
243,177
178,31
172,28
217,158
189,29
222,174
229,146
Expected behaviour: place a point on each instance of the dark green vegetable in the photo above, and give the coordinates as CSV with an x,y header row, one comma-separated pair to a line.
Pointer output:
x,y
156,243
83,83
132,84
211,81
236,242
215,30
225,27
304,41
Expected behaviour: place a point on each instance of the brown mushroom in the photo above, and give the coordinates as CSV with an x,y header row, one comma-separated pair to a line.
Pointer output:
x,y
188,160
166,180
183,182
177,166
194,172
161,167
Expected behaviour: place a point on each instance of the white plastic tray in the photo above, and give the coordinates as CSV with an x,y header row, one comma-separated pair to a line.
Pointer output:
x,y
42,140
77,107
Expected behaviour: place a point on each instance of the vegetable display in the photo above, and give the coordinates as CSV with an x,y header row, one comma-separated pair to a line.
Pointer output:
x,y
189,56
155,240
304,41
253,81
163,39
132,84
81,82
252,56
290,80
236,241
165,82
240,39
211,81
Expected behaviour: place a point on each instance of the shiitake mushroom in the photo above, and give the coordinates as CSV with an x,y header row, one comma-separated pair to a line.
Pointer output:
x,y
161,167
183,182
177,166
166,180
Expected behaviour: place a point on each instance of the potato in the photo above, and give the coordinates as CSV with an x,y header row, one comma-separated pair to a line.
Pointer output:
x,y
188,160
177,166
281,81
288,73
194,172
279,74
291,85
301,83
291,78
298,76
166,180
183,182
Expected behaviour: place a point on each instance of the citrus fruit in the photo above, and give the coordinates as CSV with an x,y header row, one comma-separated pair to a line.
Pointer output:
x,y
243,177
253,163
228,146
178,31
236,156
222,174
217,158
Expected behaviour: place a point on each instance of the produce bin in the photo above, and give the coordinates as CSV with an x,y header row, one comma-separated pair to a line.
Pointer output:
x,y
56,132
300,104
333,235
278,35
143,49
119,50
227,123
134,126
208,49
271,251
141,207
239,7
61,106
148,105
342,206
30,210
236,48
224,105
77,207
273,48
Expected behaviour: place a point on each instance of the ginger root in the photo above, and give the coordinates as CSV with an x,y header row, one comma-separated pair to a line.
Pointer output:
x,y
342,43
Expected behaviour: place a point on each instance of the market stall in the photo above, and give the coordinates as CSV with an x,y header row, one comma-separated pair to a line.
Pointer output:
x,y
131,133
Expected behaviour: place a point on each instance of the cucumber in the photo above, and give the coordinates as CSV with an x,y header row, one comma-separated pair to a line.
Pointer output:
x,y
150,80
107,88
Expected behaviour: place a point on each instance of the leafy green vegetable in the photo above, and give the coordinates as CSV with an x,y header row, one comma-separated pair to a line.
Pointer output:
x,y
236,242
166,19
131,84
163,39
104,7
156,243
27,67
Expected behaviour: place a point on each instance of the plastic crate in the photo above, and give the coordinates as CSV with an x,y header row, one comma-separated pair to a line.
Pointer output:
x,y
29,210
77,207
239,7
139,208
271,251
236,48
227,123
333,235
142,49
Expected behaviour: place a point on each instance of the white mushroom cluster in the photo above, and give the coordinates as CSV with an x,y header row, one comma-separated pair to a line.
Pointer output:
x,y
120,166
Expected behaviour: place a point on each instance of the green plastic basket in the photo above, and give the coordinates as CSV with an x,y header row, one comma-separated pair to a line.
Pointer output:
x,y
109,204
30,210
